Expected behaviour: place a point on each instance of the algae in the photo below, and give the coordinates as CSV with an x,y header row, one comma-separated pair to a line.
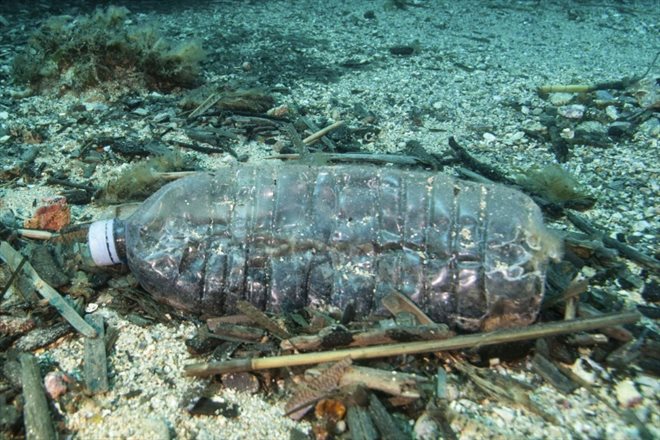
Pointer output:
x,y
75,53
555,184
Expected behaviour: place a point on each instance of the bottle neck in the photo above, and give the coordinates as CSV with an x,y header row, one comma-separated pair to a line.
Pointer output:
x,y
106,241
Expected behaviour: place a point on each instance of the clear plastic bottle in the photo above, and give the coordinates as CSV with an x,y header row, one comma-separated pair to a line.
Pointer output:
x,y
286,237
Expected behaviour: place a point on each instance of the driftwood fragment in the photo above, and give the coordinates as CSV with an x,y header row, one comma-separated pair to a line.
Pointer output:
x,y
386,425
205,369
615,332
237,333
395,383
38,423
626,250
13,259
548,371
40,337
95,366
397,303
261,319
360,424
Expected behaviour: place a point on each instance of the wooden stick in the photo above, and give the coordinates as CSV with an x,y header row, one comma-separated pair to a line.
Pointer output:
x,y
475,340
38,424
14,258
322,132
36,234
96,365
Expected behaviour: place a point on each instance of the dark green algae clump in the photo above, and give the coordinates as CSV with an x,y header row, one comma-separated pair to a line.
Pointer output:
x,y
75,53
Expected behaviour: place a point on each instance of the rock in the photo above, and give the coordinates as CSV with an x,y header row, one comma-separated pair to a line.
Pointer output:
x,y
619,128
573,111
650,127
489,137
651,291
626,394
56,384
612,112
558,99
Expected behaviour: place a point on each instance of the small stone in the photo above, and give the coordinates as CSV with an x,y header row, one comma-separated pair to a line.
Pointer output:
x,y
603,97
4,115
650,128
626,394
591,128
558,99
574,111
612,112
56,384
141,111
619,128
489,137
162,117
567,133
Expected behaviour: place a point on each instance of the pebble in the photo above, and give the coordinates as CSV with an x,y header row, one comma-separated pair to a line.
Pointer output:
x,y
558,99
55,384
626,394
489,137
612,112
4,115
574,111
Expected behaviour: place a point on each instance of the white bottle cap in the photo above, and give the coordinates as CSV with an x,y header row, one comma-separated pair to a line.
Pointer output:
x,y
101,240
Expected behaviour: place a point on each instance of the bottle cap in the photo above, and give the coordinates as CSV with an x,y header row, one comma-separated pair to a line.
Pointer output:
x,y
101,240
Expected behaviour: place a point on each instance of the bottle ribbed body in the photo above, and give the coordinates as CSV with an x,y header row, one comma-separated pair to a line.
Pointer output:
x,y
287,237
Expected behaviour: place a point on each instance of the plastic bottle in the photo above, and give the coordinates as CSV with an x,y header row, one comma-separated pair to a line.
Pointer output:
x,y
287,237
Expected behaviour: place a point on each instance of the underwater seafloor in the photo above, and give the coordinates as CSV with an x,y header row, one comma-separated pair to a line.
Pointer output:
x,y
399,74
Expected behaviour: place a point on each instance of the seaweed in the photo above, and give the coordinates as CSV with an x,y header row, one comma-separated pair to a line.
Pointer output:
x,y
142,179
555,184
75,53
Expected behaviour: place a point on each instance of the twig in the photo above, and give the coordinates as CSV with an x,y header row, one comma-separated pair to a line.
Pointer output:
x,y
326,141
628,251
396,159
13,276
476,340
38,423
322,132
472,163
13,259
209,102
36,234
